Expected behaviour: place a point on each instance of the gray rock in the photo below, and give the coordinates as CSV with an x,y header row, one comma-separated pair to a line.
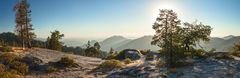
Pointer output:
x,y
237,75
33,62
132,54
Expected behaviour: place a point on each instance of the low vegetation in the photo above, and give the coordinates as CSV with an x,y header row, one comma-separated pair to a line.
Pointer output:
x,y
127,61
236,50
111,64
12,66
66,62
144,52
51,69
6,49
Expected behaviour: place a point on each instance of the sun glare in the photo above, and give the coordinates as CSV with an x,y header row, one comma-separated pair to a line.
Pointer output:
x,y
154,7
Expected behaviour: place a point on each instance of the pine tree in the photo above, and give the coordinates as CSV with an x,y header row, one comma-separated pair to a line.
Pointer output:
x,y
166,27
53,41
23,25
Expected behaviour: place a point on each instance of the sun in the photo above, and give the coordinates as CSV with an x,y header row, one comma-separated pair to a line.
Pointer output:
x,y
154,8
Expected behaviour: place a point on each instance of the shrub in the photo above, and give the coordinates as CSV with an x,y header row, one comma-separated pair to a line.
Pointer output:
x,y
236,50
127,61
51,69
160,63
2,68
66,62
8,58
8,75
144,52
111,64
149,57
112,56
6,49
19,67
200,53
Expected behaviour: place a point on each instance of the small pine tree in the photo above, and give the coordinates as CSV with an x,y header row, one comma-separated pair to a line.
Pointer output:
x,y
53,41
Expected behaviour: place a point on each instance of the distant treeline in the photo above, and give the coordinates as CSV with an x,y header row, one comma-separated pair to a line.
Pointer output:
x,y
11,39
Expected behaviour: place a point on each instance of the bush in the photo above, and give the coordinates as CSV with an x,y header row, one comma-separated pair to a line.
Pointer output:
x,y
144,52
236,50
8,58
111,64
160,63
199,53
19,67
112,56
6,49
8,75
14,62
149,57
66,62
51,69
2,68
127,61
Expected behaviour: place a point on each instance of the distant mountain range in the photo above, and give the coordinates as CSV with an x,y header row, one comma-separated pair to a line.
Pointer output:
x,y
119,43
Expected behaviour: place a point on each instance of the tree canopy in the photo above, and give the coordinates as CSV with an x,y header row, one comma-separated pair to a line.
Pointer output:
x,y
53,41
175,40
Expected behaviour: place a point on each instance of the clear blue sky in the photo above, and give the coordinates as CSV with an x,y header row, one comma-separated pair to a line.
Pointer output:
x,y
130,18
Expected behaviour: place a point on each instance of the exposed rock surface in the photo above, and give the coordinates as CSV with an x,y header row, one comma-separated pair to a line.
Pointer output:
x,y
132,54
42,57
202,68
211,67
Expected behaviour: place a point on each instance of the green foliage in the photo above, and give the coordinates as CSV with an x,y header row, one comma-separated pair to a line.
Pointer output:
x,y
74,50
177,41
144,52
111,64
8,58
19,67
92,52
12,64
212,50
53,41
127,61
6,49
112,56
10,39
51,69
236,50
8,75
149,57
67,62
23,22
160,63
200,53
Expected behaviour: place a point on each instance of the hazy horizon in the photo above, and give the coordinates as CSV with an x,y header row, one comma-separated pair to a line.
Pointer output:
x,y
95,19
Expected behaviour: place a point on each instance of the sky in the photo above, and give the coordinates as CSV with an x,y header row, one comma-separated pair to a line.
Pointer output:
x,y
129,18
